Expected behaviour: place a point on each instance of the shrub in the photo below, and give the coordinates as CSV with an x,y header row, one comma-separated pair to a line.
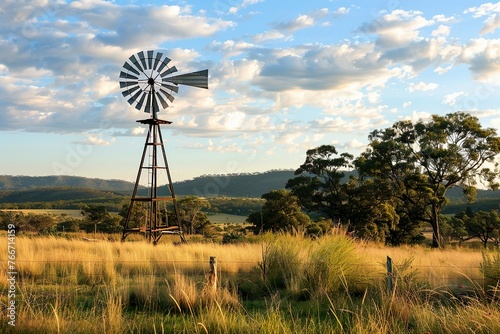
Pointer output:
x,y
490,267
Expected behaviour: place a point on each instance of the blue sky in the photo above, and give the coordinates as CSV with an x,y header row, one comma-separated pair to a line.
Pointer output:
x,y
284,77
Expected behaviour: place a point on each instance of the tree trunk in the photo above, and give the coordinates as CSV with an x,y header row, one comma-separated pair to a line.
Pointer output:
x,y
436,235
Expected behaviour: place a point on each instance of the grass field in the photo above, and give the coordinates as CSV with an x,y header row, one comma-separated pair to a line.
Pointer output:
x,y
222,218
268,284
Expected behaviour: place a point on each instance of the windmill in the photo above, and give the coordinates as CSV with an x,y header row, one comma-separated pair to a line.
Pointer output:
x,y
149,83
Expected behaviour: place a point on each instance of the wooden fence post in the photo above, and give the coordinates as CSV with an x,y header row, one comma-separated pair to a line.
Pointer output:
x,y
389,274
212,278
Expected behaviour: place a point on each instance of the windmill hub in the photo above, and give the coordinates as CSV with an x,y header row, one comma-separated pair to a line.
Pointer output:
x,y
151,81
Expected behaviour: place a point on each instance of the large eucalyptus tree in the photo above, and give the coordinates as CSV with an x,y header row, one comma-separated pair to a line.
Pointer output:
x,y
422,160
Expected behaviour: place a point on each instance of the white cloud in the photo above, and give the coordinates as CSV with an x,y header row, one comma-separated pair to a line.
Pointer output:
x,y
342,11
451,99
443,70
397,28
268,36
301,22
442,30
138,130
422,86
244,4
95,140
355,145
231,48
492,13
306,20
443,18
483,57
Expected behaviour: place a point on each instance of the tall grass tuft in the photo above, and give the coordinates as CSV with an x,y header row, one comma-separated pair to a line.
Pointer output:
x,y
332,262
283,262
112,313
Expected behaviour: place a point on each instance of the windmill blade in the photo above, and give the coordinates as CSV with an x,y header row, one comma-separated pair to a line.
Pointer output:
x,y
164,103
141,102
130,68
130,91
150,59
134,98
196,79
124,84
157,60
169,71
172,88
128,76
143,61
163,64
134,61
169,96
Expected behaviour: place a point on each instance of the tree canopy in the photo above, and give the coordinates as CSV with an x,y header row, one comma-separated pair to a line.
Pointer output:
x,y
423,160
280,213
402,177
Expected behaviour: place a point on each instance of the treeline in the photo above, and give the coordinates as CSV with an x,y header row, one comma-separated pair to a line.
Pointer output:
x,y
400,184
240,206
60,198
95,218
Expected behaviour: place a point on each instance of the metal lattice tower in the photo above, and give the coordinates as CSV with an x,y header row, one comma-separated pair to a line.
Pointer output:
x,y
147,80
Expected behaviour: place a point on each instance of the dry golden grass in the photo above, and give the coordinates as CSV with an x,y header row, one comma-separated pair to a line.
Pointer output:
x,y
106,286
102,261
438,267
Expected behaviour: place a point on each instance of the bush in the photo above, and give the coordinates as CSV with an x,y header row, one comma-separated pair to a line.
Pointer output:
x,y
490,267
233,238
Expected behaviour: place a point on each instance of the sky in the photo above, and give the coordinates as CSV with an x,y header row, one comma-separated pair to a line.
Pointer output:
x,y
284,77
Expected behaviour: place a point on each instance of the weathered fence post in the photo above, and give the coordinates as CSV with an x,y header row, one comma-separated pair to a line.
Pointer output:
x,y
212,275
389,274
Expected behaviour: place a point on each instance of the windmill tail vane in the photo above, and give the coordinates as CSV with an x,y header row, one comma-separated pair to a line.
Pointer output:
x,y
148,81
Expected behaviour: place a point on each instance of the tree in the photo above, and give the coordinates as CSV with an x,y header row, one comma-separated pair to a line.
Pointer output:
x,y
484,225
423,160
360,204
37,222
110,224
95,214
280,213
319,186
139,214
191,215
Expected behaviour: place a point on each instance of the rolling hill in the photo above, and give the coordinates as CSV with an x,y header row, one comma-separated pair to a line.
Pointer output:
x,y
8,182
73,191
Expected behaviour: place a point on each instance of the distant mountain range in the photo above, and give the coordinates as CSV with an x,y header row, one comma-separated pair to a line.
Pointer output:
x,y
231,185
234,185
8,182
74,189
